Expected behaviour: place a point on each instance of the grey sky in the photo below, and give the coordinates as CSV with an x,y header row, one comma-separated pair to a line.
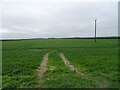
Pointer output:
x,y
35,19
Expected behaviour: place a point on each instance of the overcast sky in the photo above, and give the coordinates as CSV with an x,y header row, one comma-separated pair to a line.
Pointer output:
x,y
58,18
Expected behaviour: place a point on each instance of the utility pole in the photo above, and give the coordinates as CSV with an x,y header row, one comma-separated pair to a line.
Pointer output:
x,y
95,30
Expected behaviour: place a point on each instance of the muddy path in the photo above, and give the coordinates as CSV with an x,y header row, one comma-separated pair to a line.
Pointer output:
x,y
43,65
68,64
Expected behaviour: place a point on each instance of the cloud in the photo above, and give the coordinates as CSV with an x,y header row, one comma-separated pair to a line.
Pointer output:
x,y
58,1
58,19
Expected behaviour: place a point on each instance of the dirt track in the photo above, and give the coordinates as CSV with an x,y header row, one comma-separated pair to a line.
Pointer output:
x,y
43,65
67,63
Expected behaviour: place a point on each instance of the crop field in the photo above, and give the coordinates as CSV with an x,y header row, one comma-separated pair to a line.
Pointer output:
x,y
60,63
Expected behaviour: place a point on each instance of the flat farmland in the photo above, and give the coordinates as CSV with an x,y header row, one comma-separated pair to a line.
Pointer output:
x,y
60,63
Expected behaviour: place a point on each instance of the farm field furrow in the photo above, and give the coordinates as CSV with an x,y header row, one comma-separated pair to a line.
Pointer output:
x,y
97,61
68,64
58,75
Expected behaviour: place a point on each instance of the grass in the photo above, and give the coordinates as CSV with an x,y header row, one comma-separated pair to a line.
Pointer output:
x,y
19,66
98,61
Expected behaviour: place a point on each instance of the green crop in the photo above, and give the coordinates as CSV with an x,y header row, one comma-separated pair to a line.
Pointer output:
x,y
97,61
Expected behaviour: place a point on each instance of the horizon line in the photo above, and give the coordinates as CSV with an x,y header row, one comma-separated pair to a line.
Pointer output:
x,y
57,38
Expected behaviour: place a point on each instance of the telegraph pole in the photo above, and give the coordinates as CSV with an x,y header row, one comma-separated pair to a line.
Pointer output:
x,y
95,30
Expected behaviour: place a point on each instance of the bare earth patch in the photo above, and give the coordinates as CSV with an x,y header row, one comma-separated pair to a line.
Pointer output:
x,y
43,65
67,63
103,84
51,68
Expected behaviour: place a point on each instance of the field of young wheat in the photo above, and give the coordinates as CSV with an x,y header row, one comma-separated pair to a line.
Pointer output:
x,y
60,63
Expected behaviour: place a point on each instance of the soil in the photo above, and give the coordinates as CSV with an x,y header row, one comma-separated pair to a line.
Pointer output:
x,y
68,64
